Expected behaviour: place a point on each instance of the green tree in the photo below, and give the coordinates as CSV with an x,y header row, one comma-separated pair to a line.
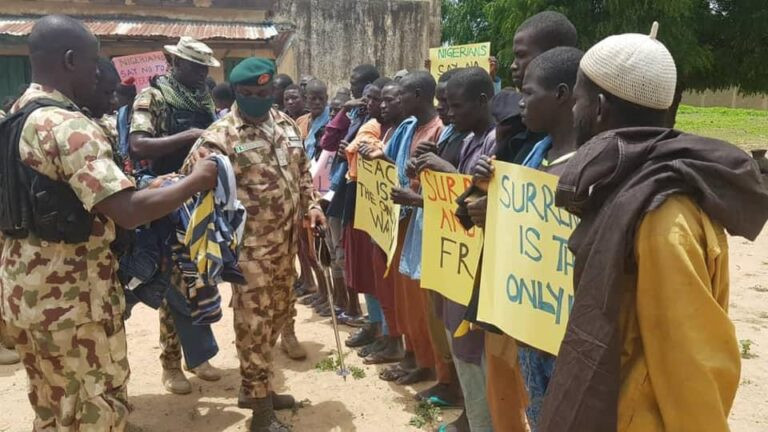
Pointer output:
x,y
716,43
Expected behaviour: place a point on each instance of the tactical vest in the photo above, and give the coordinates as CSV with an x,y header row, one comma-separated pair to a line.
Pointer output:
x,y
31,202
178,120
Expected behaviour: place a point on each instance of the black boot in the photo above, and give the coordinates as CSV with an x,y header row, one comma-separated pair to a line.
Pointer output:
x,y
264,419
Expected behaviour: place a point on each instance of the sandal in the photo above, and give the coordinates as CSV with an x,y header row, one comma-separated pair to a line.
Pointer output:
x,y
440,395
393,374
415,377
372,348
380,358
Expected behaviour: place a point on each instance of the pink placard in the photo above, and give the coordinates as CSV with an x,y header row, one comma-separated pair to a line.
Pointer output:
x,y
141,67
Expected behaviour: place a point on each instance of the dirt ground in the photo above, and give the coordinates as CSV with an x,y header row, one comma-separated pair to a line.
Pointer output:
x,y
367,404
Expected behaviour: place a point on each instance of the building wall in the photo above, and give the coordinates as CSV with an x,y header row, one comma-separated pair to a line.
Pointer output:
x,y
333,36
726,98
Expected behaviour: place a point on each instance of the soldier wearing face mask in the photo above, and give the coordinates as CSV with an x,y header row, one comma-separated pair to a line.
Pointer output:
x,y
274,184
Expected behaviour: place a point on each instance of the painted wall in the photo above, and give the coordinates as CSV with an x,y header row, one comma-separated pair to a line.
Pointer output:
x,y
333,36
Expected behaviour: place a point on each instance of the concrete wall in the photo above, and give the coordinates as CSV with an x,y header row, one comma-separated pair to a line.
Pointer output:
x,y
333,36
726,98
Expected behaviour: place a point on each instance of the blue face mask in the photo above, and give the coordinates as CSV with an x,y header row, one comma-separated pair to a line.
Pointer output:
x,y
254,106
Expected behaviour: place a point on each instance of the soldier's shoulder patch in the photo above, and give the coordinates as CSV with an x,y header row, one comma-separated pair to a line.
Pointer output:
x,y
147,97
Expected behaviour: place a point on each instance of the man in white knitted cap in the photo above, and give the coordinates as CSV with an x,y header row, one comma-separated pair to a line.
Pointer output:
x,y
649,345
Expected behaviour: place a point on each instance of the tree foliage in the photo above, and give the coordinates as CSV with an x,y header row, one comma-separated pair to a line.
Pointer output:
x,y
716,43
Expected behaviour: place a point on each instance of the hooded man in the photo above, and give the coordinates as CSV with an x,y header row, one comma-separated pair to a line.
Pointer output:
x,y
167,118
649,345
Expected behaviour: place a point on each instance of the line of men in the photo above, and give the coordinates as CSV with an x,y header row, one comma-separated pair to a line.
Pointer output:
x,y
654,205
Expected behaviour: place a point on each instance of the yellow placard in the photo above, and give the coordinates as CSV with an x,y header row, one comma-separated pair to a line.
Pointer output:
x,y
443,59
375,213
526,287
449,253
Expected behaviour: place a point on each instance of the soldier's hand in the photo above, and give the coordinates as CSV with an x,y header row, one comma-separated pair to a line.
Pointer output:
x,y
483,172
202,152
477,210
316,220
205,172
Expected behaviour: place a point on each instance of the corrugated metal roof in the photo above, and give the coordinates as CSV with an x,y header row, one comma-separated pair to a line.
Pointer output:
x,y
142,29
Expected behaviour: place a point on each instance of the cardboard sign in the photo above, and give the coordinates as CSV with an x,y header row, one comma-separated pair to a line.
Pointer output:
x,y
527,274
449,253
443,59
375,213
141,67
321,171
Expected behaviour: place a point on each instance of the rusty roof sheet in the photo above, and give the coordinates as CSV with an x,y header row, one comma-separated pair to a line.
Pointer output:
x,y
147,29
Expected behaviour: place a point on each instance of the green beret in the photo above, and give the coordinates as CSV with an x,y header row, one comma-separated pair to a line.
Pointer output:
x,y
253,71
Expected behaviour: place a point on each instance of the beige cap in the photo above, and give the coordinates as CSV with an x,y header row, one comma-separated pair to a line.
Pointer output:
x,y
194,51
634,67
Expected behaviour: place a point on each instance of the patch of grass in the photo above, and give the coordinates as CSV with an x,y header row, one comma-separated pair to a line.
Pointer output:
x,y
327,364
332,364
357,373
747,129
746,349
426,415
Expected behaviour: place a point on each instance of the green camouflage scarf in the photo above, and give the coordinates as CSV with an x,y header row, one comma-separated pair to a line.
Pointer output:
x,y
181,97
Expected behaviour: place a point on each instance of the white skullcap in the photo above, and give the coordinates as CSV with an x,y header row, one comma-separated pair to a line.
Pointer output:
x,y
634,67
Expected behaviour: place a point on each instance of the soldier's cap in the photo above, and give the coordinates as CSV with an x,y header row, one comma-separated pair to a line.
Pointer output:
x,y
194,51
253,71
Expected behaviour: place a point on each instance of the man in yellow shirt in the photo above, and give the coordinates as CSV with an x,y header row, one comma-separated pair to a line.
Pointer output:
x,y
649,345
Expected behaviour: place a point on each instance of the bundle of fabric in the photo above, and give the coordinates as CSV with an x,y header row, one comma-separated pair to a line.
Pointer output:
x,y
201,238
209,230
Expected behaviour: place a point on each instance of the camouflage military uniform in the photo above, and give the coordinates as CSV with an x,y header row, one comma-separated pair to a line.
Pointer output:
x,y
149,116
275,187
62,302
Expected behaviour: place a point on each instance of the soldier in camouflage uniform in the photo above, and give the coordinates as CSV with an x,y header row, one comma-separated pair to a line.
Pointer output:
x,y
167,118
61,301
274,185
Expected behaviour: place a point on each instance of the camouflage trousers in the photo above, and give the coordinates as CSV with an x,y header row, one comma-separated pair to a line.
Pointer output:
x,y
261,309
77,377
170,346
5,338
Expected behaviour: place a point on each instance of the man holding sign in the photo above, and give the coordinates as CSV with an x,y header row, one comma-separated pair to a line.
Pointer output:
x,y
547,104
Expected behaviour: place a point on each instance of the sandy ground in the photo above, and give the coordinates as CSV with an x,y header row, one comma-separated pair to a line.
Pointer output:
x,y
368,404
